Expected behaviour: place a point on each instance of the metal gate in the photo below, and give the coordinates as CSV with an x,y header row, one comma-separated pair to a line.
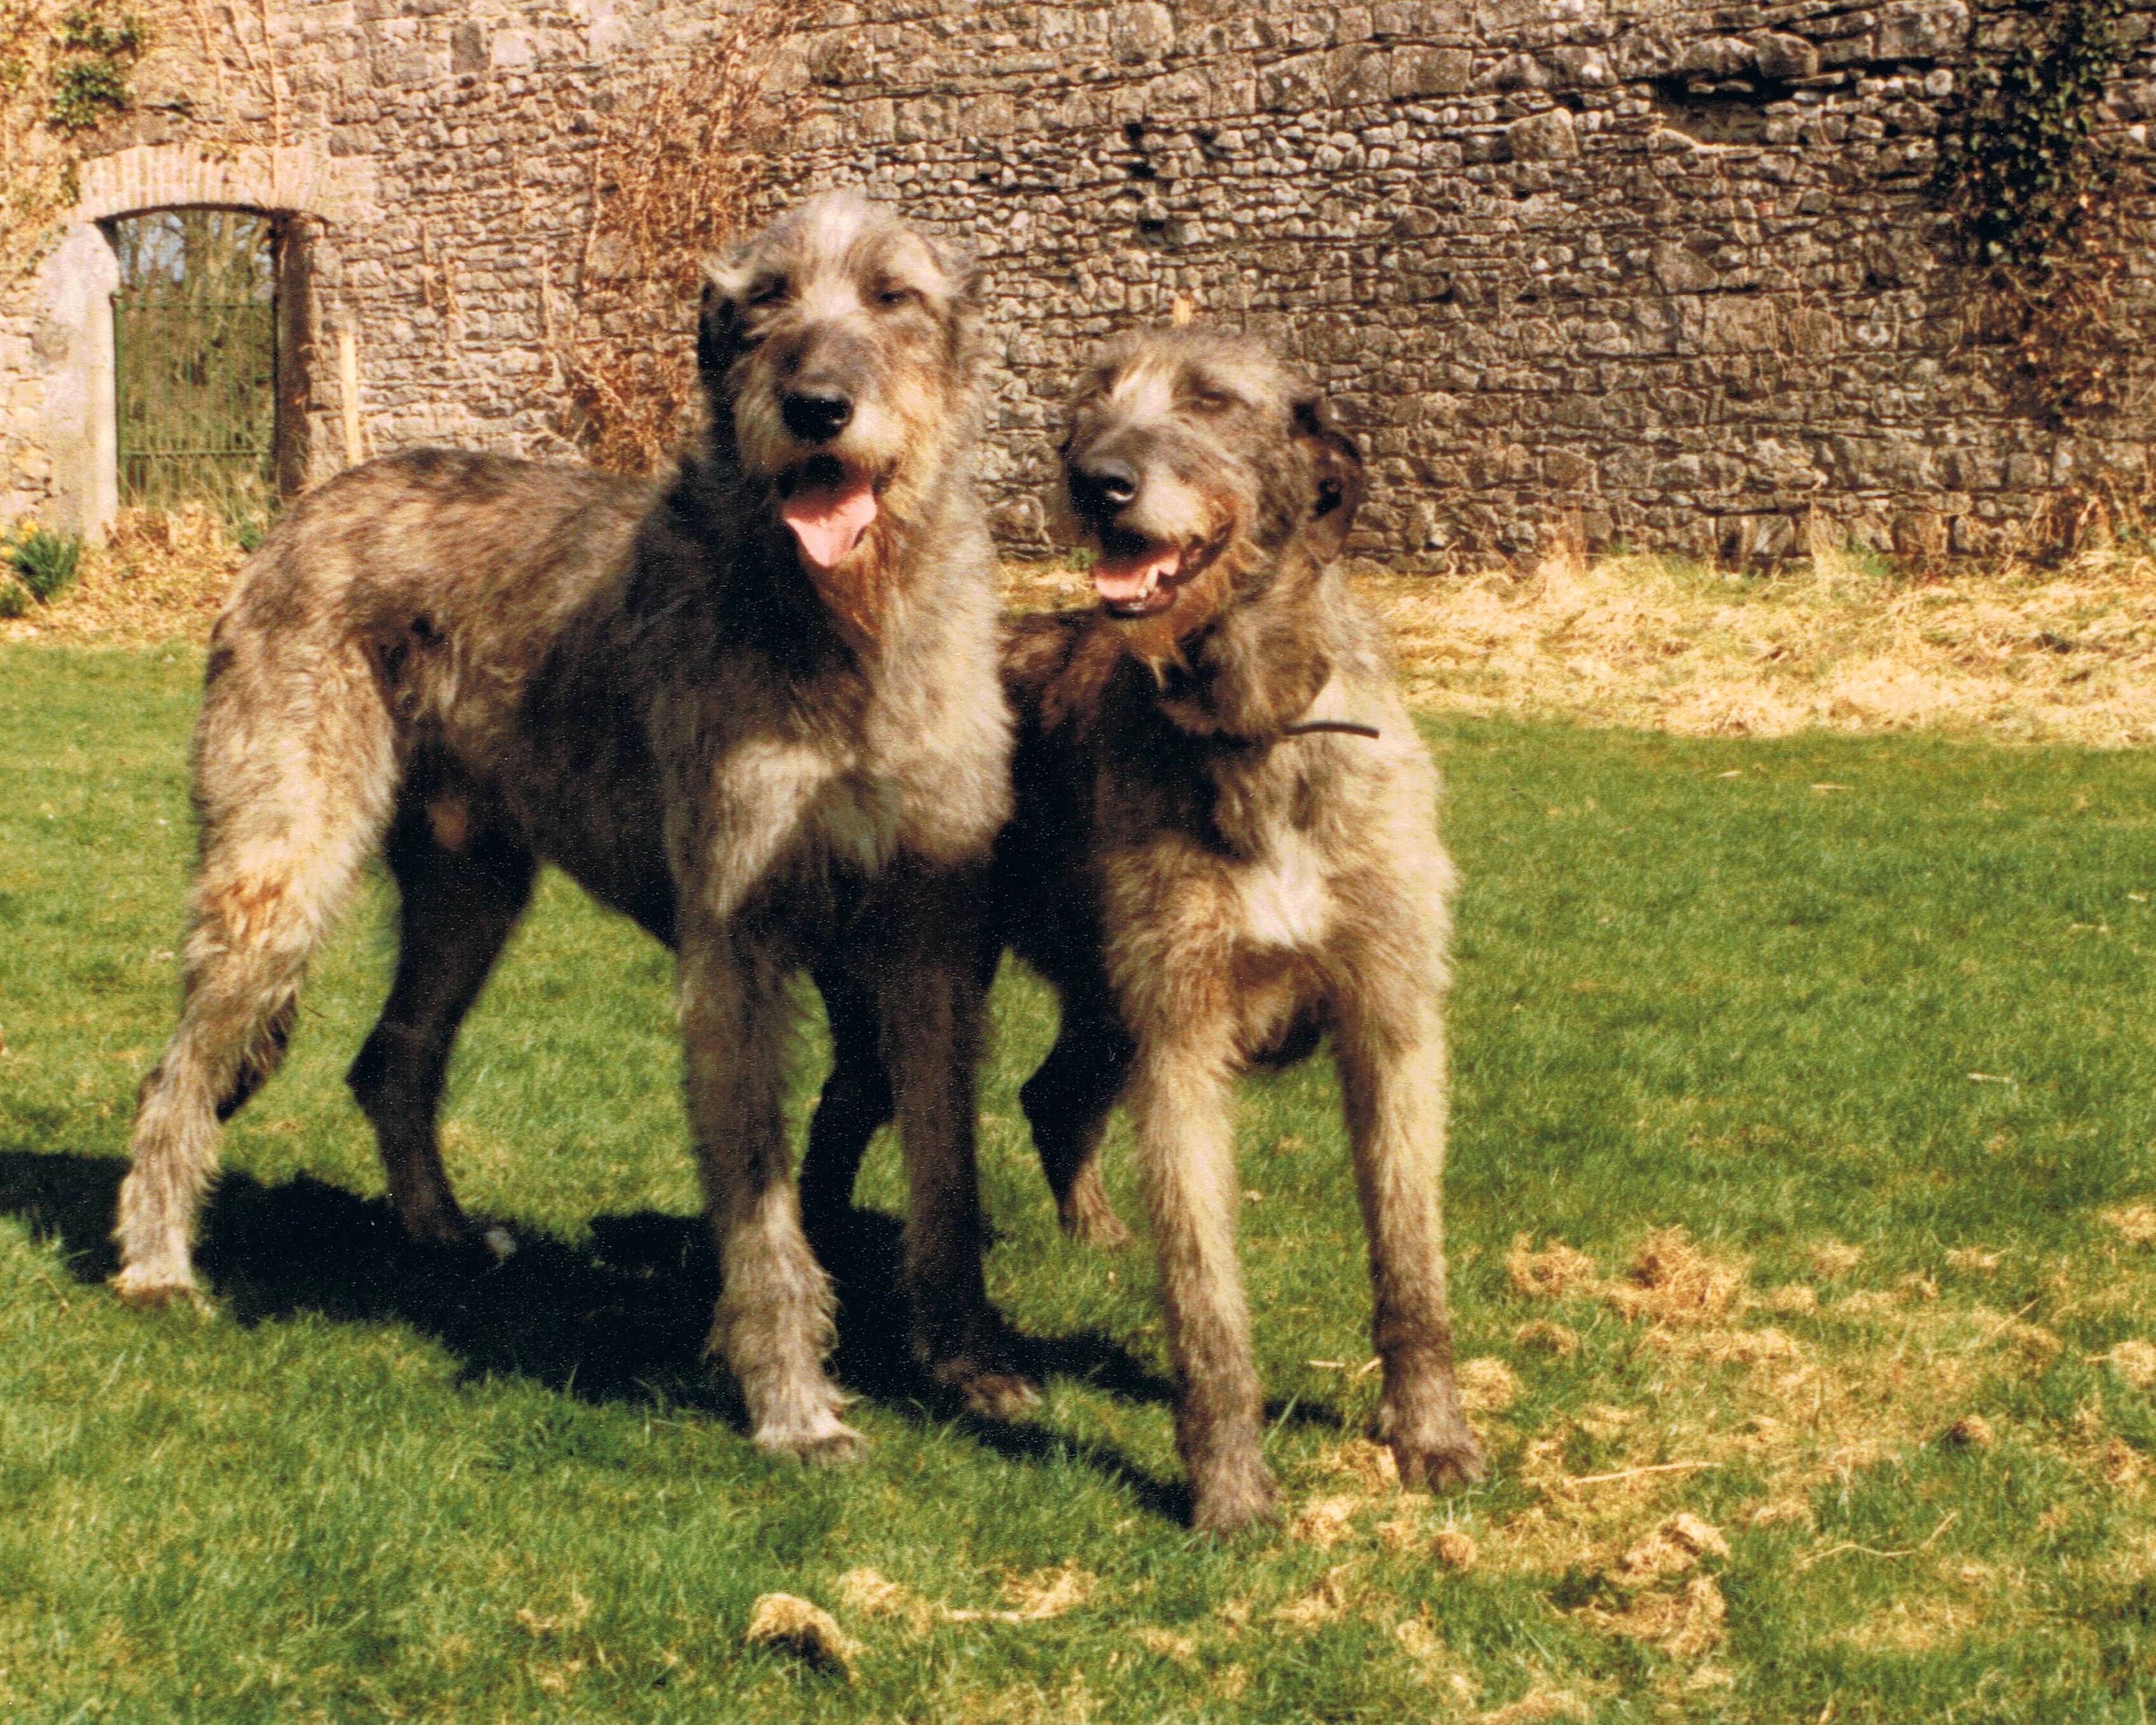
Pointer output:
x,y
194,327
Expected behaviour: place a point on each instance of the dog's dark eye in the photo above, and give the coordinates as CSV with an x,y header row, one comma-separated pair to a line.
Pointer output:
x,y
768,292
893,296
1212,401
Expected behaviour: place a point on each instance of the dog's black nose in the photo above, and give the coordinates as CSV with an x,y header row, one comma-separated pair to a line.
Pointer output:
x,y
1103,482
817,413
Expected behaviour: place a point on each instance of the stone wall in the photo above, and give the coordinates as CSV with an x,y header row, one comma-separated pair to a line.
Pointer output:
x,y
1611,270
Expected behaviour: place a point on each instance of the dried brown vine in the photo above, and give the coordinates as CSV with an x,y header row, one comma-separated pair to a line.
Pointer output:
x,y
677,175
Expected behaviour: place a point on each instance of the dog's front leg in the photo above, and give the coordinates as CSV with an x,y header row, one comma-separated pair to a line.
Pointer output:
x,y
1390,1050
773,1321
1182,1104
932,1002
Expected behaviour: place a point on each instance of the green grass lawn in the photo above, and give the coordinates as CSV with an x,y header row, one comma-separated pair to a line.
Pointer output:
x,y
1898,1360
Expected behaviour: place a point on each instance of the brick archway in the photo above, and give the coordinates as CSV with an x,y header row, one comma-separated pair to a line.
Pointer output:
x,y
311,193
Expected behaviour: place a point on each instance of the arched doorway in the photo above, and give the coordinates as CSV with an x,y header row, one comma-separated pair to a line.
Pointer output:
x,y
303,197
197,360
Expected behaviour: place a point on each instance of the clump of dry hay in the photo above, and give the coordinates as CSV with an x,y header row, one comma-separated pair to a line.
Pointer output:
x,y
803,1629
1672,1281
1451,1549
2134,1361
1325,1522
2014,654
1487,1385
1543,1336
1037,1598
1550,1274
1538,1706
2136,1222
158,575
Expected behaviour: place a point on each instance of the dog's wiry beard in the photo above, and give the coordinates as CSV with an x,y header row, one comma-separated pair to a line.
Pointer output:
x,y
835,514
1157,641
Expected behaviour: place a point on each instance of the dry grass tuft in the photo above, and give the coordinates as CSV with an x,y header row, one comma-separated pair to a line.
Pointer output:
x,y
1972,1431
2133,1361
1670,1280
1685,1625
160,575
807,1631
1326,1602
1672,1549
1537,1706
1487,1385
1036,1598
2017,654
1551,1273
1452,1549
1832,1259
866,1594
1326,1521
1181,1649
1370,1465
2136,1222
1543,1336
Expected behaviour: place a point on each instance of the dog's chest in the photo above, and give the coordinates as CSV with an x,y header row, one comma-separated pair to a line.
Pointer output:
x,y
1283,896
856,822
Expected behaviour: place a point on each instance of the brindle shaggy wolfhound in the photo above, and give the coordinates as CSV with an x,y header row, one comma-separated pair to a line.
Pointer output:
x,y
1223,845
756,709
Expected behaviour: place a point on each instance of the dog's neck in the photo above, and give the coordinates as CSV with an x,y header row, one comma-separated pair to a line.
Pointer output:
x,y
1251,673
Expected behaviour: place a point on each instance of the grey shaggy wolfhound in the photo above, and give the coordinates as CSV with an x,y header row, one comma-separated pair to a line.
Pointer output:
x,y
755,707
1224,846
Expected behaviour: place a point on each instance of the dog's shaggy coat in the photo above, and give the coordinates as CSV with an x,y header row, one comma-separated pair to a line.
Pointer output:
x,y
1212,865
755,708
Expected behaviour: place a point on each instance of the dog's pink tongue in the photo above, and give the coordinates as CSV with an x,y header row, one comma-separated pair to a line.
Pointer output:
x,y
829,520
1123,579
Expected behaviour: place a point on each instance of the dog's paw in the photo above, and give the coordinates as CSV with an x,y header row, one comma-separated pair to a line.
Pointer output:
x,y
148,1285
993,1392
1441,1462
445,1228
1096,1224
1087,1214
826,1441
1235,1498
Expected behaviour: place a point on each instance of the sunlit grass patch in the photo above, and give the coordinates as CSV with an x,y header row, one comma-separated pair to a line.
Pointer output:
x,y
1804,1255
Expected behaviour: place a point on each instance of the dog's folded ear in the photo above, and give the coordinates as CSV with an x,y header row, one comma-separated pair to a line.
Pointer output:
x,y
1335,466
716,314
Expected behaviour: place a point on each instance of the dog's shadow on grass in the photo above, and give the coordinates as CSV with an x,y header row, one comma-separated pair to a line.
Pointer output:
x,y
622,1318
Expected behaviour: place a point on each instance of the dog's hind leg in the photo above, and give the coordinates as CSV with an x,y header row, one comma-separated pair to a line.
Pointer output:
x,y
461,897
1066,1103
854,1104
1389,1043
292,780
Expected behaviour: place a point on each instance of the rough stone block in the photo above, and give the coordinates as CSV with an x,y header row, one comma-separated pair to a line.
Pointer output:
x,y
1922,29
1786,58
1548,136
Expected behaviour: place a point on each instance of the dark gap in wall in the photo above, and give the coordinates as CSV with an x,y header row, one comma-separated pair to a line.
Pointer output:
x,y
1730,113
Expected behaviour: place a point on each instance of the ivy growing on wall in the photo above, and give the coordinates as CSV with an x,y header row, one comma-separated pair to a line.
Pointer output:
x,y
62,72
2029,180
95,51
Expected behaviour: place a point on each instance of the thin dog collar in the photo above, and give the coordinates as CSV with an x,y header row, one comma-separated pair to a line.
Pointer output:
x,y
1345,727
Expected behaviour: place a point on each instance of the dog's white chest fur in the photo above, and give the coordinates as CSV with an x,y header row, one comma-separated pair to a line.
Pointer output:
x,y
1285,900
